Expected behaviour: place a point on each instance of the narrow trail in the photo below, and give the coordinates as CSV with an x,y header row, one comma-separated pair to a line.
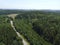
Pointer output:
x,y
19,35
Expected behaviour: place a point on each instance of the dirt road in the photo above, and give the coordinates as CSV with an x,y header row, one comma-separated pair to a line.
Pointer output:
x,y
19,35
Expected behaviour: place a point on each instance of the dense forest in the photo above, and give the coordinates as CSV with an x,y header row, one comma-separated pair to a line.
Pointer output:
x,y
7,35
39,27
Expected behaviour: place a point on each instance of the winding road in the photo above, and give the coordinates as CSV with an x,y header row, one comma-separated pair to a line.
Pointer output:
x,y
19,35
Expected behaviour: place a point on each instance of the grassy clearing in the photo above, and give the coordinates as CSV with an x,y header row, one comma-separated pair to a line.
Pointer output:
x,y
12,15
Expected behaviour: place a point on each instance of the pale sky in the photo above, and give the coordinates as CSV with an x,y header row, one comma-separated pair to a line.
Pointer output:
x,y
30,4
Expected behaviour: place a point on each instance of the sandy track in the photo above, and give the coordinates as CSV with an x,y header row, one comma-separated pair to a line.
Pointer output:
x,y
19,35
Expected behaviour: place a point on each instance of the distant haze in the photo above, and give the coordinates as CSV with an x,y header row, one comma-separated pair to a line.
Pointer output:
x,y
30,4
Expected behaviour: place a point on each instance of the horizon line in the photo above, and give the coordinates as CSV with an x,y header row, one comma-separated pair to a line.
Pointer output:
x,y
26,9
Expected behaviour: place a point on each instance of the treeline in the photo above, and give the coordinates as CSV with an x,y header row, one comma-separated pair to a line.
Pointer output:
x,y
12,11
17,11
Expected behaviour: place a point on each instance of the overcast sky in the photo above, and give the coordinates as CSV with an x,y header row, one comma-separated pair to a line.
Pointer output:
x,y
30,4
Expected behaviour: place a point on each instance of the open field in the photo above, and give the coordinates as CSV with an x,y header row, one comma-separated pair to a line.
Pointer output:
x,y
12,15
